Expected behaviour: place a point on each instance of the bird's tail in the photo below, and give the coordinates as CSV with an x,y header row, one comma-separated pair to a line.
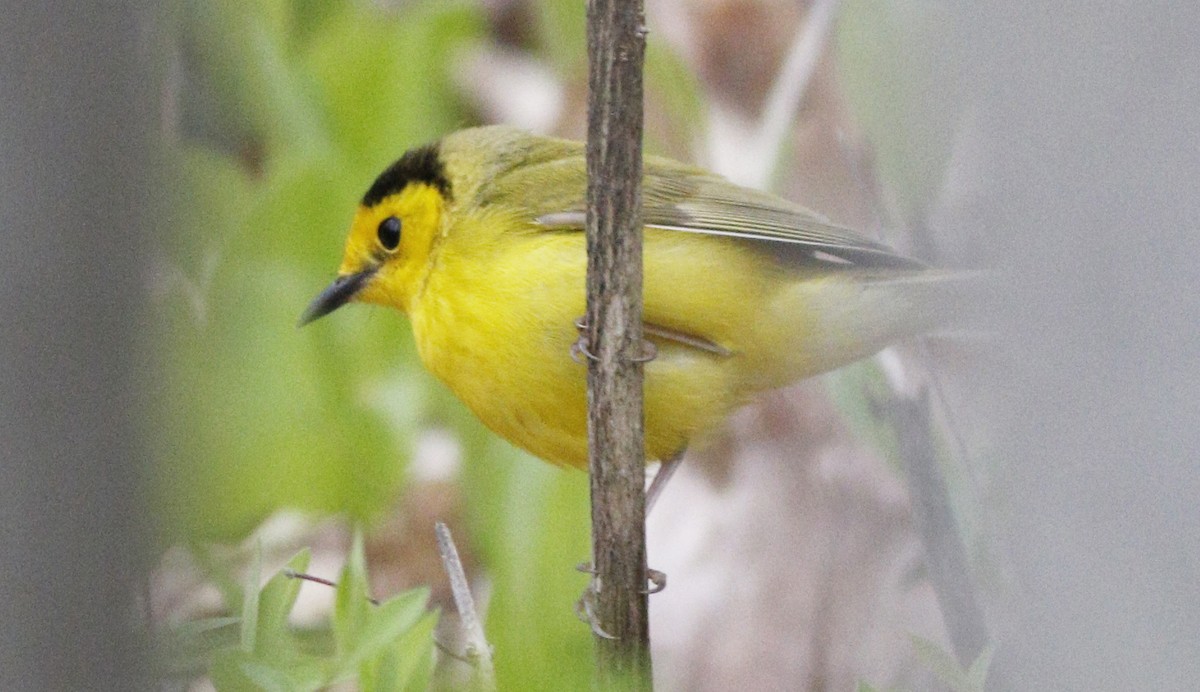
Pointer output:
x,y
852,316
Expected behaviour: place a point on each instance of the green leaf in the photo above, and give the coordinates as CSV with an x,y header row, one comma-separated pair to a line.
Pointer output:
x,y
415,660
382,628
266,678
186,649
374,641
350,610
267,655
234,670
947,669
406,664
391,619
275,602
226,671
203,626
249,633
978,672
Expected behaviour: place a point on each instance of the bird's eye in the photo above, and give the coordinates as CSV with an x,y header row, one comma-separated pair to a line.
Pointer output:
x,y
389,233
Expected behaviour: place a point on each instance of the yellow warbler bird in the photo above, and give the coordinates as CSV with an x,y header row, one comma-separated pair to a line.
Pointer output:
x,y
479,239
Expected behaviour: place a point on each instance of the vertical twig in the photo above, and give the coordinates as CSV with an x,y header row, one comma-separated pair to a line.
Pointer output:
x,y
616,46
752,161
933,513
945,552
479,652
787,93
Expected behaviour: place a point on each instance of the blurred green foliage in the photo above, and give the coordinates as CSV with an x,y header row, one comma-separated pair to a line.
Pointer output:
x,y
382,647
287,109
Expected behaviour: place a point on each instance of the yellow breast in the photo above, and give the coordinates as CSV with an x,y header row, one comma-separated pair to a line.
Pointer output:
x,y
496,323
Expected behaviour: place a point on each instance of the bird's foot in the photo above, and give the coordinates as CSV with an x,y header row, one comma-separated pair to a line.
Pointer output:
x,y
579,349
585,607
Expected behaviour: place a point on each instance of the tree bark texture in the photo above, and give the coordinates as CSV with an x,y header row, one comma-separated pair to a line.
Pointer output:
x,y
616,44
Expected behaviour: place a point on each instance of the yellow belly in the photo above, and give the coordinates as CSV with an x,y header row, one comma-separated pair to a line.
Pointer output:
x,y
495,321
501,339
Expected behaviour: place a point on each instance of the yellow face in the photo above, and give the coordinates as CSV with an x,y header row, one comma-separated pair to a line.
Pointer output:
x,y
392,239
387,251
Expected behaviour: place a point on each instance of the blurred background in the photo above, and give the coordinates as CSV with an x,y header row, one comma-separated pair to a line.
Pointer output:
x,y
177,180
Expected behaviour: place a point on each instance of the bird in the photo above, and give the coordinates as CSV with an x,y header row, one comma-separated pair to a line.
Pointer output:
x,y
479,239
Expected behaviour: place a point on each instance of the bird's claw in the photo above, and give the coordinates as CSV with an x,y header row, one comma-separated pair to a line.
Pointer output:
x,y
585,607
579,349
657,579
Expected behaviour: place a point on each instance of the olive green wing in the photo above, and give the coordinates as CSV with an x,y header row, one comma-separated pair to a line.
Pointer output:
x,y
691,200
688,199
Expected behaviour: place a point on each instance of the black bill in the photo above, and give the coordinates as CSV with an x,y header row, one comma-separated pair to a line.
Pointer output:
x,y
335,296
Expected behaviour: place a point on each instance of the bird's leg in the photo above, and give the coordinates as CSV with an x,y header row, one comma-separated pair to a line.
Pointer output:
x,y
585,606
657,580
665,470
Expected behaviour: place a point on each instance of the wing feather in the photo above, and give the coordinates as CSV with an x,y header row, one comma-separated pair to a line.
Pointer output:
x,y
683,198
715,206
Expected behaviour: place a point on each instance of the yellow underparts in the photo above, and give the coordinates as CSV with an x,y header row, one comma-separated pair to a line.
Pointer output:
x,y
501,339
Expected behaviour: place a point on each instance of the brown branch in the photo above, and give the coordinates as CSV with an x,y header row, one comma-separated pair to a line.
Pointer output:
x,y
616,46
